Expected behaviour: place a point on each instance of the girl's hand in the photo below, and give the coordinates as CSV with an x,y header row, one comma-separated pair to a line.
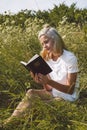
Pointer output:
x,y
32,74
47,87
35,77
43,79
40,78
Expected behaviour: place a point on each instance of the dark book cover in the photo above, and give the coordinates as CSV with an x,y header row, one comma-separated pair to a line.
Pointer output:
x,y
37,65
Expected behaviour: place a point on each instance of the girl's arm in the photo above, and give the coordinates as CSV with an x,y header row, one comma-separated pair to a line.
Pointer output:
x,y
36,79
68,88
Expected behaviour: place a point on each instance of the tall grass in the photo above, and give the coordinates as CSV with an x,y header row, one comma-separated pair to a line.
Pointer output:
x,y
16,45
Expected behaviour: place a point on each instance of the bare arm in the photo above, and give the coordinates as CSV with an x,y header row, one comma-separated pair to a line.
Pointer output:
x,y
68,88
49,83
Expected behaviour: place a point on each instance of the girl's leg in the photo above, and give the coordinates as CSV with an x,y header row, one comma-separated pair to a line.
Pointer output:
x,y
26,102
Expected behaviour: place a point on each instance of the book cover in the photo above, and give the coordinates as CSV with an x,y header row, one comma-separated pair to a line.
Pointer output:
x,y
37,65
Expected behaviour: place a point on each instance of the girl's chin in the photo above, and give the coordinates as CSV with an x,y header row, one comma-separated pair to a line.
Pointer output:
x,y
48,51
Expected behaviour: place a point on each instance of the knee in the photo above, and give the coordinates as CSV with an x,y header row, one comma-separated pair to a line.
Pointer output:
x,y
29,92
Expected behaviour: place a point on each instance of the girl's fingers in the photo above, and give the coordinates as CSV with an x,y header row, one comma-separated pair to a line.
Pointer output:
x,y
31,73
36,78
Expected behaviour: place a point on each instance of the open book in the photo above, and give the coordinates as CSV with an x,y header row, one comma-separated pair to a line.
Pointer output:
x,y
37,65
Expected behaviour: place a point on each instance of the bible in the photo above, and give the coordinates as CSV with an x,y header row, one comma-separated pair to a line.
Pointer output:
x,y
37,65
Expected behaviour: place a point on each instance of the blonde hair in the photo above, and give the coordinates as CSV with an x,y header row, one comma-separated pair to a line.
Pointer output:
x,y
52,33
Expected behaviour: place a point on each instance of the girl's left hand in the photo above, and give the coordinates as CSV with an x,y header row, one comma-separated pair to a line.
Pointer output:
x,y
43,79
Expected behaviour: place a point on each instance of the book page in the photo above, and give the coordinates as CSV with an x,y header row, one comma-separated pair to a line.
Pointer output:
x,y
33,58
23,63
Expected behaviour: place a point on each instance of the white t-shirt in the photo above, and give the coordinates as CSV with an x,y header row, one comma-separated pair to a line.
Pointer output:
x,y
66,63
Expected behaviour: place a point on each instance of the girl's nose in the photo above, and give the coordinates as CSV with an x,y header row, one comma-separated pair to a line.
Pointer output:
x,y
44,46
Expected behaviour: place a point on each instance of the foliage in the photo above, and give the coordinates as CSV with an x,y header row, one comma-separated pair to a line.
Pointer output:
x,y
18,41
52,16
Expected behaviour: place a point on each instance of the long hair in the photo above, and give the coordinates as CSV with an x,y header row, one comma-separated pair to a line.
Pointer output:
x,y
52,33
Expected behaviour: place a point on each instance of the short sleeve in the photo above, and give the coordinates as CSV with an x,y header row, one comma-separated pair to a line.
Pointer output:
x,y
72,65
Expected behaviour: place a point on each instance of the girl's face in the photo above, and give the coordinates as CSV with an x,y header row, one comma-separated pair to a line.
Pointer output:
x,y
47,43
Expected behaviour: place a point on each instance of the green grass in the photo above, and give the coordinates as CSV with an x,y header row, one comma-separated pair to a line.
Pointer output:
x,y
17,45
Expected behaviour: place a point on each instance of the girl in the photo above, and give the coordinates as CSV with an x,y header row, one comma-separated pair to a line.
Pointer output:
x,y
62,82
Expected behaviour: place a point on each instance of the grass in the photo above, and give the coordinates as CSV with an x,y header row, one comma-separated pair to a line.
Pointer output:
x,y
17,45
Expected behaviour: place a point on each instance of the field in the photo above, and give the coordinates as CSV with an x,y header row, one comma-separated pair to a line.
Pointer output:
x,y
17,44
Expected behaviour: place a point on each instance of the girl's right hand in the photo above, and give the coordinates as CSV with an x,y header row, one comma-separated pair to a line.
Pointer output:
x,y
32,74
